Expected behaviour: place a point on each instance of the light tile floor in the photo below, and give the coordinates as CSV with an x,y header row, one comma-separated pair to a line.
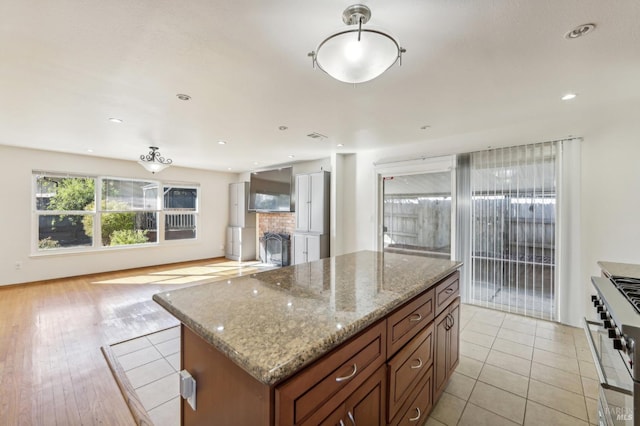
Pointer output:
x,y
518,371
513,371
151,364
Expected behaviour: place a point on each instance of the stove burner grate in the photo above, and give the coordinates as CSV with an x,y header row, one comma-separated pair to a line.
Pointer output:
x,y
630,288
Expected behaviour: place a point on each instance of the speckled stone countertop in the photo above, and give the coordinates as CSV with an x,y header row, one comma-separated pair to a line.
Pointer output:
x,y
614,269
273,323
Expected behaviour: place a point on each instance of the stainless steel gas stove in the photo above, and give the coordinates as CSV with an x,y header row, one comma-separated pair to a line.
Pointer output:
x,y
612,337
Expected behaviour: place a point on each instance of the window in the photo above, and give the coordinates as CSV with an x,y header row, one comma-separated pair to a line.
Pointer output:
x,y
180,207
65,210
85,212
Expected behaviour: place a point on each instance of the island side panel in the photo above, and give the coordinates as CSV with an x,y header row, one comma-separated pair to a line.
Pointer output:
x,y
225,393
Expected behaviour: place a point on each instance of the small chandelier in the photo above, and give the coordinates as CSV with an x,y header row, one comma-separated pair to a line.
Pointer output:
x,y
356,55
153,161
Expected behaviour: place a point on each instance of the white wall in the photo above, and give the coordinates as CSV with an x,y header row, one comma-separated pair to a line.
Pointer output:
x,y
610,196
16,219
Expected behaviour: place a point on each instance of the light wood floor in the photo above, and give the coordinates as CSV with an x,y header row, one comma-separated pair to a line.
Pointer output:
x,y
51,369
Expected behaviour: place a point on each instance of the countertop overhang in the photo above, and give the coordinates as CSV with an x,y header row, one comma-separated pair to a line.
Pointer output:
x,y
275,322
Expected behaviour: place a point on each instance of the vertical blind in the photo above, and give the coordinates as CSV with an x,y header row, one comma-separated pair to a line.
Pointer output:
x,y
513,221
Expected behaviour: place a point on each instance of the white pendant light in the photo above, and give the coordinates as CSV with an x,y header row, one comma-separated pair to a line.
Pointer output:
x,y
356,55
154,161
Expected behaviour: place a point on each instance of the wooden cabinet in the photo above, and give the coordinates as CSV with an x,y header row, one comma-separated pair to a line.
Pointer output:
x,y
314,393
406,322
389,374
447,350
241,243
308,247
365,406
408,367
238,202
312,202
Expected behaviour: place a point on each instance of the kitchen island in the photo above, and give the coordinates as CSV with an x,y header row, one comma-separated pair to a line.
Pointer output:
x,y
369,334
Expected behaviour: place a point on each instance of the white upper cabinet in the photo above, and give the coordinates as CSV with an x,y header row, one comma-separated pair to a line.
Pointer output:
x,y
238,203
312,202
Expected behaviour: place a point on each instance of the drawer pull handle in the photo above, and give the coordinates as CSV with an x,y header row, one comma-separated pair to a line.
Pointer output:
x,y
419,364
415,317
449,290
353,373
415,419
341,423
353,421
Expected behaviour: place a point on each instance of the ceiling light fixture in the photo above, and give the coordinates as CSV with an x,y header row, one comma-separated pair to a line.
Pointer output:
x,y
356,55
222,143
154,161
183,97
569,96
282,128
116,120
291,156
579,31
340,145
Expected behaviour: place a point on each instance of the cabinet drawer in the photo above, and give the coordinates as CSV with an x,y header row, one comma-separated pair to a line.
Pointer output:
x,y
446,291
408,367
339,372
406,322
416,410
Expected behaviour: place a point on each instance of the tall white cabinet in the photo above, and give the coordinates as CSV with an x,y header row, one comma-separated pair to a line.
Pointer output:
x,y
311,237
241,232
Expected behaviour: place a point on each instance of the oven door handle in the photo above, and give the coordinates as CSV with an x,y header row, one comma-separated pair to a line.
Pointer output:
x,y
596,360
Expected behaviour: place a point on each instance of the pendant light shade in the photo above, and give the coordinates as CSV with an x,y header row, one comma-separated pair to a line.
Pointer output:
x,y
154,162
357,54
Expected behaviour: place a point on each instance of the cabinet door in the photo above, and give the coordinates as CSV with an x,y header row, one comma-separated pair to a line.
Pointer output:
x,y
367,406
440,370
299,249
447,348
302,203
313,248
454,332
317,203
233,204
228,248
236,243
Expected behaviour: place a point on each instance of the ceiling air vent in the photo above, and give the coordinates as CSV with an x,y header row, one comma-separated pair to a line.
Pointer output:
x,y
316,135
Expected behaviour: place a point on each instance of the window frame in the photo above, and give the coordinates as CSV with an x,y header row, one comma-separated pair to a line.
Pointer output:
x,y
160,213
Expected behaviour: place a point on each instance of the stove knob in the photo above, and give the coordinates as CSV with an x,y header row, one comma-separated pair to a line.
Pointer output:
x,y
604,315
613,334
619,344
600,308
607,324
594,298
596,303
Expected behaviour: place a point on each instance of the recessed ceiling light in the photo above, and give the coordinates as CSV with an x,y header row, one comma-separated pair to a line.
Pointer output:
x,y
116,120
569,96
340,145
255,163
228,168
183,97
291,156
425,127
282,127
89,150
222,142
579,31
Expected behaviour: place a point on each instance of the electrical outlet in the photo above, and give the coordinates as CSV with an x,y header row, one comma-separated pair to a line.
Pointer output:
x,y
18,266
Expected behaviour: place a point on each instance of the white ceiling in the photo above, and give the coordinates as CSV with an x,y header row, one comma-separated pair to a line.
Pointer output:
x,y
479,72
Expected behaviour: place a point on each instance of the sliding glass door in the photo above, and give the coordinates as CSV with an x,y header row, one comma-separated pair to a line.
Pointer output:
x,y
417,211
513,228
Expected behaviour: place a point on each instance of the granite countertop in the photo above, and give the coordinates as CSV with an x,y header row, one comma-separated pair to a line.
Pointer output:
x,y
613,269
273,323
